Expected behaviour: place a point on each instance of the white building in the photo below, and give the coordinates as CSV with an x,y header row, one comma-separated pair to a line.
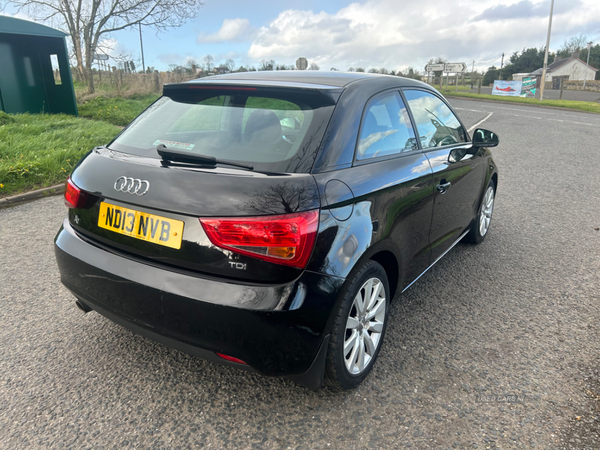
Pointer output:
x,y
571,69
519,76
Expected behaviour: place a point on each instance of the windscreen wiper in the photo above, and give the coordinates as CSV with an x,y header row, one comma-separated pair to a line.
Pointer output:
x,y
168,154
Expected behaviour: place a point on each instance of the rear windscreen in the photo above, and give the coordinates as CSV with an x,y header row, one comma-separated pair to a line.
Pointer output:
x,y
274,130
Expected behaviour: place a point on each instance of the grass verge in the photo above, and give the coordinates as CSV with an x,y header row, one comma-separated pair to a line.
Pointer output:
x,y
40,150
567,104
451,88
117,111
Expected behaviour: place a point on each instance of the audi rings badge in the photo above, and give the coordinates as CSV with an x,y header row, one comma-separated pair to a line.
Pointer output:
x,y
132,185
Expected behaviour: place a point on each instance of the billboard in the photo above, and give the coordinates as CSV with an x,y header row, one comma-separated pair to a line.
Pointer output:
x,y
507,88
528,87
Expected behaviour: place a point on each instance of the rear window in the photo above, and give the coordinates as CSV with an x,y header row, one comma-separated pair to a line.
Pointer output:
x,y
275,130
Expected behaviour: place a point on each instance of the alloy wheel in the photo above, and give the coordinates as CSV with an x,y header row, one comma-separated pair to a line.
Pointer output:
x,y
486,211
364,326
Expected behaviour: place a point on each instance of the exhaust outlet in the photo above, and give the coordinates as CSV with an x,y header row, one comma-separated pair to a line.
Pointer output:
x,y
82,306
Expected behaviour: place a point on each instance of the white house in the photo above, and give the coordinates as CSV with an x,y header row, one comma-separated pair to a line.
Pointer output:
x,y
519,76
571,69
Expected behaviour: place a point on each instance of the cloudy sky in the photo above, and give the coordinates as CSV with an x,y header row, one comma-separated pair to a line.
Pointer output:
x,y
371,33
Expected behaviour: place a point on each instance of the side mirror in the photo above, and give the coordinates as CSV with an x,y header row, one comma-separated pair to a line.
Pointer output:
x,y
485,138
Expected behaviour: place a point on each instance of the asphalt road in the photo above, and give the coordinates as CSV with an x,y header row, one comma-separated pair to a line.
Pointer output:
x,y
515,318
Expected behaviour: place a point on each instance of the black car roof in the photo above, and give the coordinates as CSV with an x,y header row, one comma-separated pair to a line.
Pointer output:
x,y
333,79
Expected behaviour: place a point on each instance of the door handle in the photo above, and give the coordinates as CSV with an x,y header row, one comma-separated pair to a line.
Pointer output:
x,y
443,187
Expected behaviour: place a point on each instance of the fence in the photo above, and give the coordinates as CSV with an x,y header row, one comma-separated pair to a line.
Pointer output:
x,y
590,85
123,83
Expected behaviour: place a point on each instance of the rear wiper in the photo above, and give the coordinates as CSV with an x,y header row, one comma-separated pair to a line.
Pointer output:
x,y
168,154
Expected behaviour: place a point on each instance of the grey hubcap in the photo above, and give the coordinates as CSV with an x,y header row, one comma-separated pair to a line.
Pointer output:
x,y
364,326
486,211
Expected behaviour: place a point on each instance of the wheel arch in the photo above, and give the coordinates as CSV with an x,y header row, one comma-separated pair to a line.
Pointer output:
x,y
491,174
389,262
388,256
495,180
384,253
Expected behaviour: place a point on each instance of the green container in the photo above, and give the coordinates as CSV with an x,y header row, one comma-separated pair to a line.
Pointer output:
x,y
35,75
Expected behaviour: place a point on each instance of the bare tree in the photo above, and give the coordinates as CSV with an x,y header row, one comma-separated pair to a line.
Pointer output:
x,y
314,66
88,21
267,65
574,45
230,63
208,63
192,66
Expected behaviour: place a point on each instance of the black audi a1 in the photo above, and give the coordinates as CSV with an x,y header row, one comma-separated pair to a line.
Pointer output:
x,y
266,220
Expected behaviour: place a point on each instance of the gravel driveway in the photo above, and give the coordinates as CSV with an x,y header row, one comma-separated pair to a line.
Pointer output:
x,y
497,346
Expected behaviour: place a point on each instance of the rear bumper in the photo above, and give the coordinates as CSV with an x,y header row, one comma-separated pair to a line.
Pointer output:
x,y
276,330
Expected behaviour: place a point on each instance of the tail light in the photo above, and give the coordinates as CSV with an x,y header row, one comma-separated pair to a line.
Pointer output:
x,y
74,197
231,358
286,239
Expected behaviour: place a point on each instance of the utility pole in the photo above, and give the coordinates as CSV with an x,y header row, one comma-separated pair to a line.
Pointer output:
x,y
501,65
589,46
142,47
472,70
546,53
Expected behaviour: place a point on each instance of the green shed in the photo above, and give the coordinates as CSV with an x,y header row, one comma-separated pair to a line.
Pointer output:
x,y
35,75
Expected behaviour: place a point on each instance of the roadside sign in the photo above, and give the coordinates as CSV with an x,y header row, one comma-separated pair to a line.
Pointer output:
x,y
100,57
455,67
301,63
507,88
528,87
434,67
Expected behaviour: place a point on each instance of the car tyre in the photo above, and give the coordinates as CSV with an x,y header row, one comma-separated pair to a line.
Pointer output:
x,y
359,327
483,220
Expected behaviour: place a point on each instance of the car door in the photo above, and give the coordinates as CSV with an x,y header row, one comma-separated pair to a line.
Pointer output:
x,y
457,172
391,183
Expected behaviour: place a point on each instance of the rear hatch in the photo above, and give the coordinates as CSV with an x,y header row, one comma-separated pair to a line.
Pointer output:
x,y
229,194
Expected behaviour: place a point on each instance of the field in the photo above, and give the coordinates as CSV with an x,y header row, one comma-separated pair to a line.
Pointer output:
x,y
116,110
39,150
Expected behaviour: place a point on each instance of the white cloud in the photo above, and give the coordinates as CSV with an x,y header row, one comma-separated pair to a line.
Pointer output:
x,y
392,34
232,30
118,52
17,15
110,47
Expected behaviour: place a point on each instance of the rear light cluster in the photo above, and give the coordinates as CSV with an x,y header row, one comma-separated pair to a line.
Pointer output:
x,y
231,358
74,197
286,239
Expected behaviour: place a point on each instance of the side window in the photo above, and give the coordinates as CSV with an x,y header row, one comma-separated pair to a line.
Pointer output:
x,y
436,123
386,128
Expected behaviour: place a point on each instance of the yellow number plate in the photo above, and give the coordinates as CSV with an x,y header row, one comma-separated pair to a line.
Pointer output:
x,y
147,227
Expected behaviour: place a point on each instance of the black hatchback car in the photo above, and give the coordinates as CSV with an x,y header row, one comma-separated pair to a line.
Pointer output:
x,y
265,220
